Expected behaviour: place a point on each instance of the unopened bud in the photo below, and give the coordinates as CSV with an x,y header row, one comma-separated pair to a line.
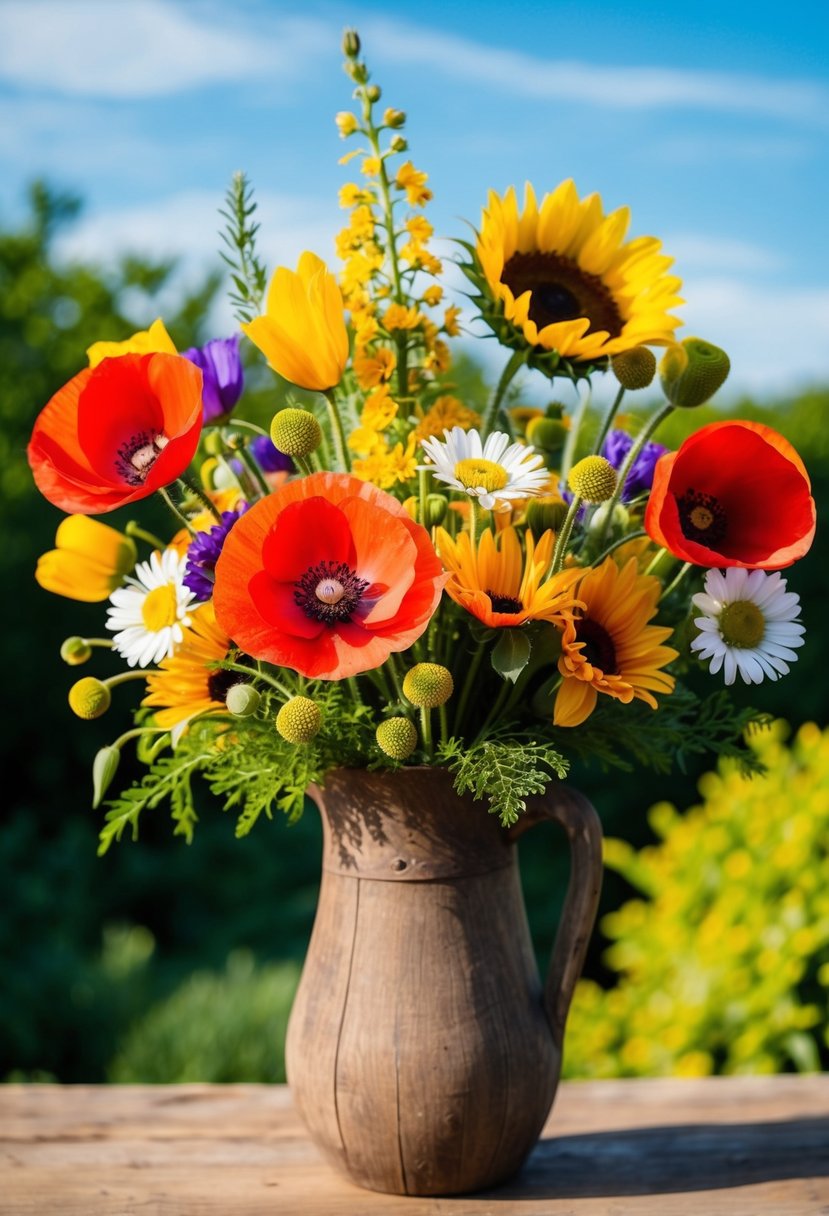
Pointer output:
x,y
436,508
351,43
398,144
555,409
545,514
104,768
296,432
691,372
619,520
397,738
634,368
346,122
593,479
242,700
373,93
89,698
393,118
428,685
75,651
547,433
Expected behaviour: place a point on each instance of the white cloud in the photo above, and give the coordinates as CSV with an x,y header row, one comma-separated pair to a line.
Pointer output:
x,y
142,48
634,87
695,251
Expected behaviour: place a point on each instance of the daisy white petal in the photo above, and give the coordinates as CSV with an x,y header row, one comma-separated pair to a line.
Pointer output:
x,y
148,612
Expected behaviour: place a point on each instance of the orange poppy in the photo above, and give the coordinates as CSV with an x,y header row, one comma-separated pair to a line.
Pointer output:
x,y
328,576
117,432
735,494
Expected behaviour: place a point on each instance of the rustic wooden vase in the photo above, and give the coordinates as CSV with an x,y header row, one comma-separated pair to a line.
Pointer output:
x,y
422,1051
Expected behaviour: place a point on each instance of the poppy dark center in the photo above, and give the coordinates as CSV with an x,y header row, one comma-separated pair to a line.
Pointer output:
x,y
136,457
701,518
219,683
562,291
598,648
329,592
505,603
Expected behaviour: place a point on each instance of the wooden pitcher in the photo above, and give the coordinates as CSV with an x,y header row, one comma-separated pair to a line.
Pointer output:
x,y
422,1052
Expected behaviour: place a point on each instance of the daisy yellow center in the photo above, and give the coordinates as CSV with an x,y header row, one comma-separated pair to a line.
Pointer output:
x,y
480,474
160,608
742,624
562,291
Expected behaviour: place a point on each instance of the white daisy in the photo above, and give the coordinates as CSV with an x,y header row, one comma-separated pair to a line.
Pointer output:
x,y
493,472
148,612
749,624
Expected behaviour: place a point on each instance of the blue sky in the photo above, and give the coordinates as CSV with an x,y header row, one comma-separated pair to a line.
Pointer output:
x,y
711,123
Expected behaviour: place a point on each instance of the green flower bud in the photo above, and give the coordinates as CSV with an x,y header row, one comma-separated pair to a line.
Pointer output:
x,y
545,514
104,768
242,700
296,432
555,409
398,144
619,520
394,118
299,720
428,685
89,698
351,43
634,368
397,738
75,651
691,372
373,92
436,507
547,433
593,479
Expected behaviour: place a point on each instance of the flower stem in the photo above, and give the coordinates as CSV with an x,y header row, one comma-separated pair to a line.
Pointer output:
x,y
303,464
444,723
256,474
516,360
623,540
123,677
180,516
337,432
608,420
257,675
426,730
627,464
572,439
197,492
134,529
672,586
466,691
563,538
137,732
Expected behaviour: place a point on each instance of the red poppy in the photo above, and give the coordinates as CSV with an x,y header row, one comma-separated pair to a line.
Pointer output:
x,y
117,432
328,576
735,494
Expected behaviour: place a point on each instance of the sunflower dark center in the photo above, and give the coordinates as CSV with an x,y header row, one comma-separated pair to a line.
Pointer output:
x,y
505,603
329,592
598,648
701,518
562,291
219,683
136,457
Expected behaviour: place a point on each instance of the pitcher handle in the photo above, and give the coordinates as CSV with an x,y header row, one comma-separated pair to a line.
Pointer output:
x,y
584,832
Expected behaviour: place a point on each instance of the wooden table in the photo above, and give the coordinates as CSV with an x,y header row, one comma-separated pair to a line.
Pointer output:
x,y
744,1146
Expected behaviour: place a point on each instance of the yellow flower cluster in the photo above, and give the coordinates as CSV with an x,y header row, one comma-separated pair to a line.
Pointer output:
x,y
724,964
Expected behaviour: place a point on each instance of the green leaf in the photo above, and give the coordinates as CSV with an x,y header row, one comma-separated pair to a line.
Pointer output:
x,y
511,654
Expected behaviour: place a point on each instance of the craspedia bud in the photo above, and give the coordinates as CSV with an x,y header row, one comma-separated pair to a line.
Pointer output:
x,y
545,514
436,508
593,479
104,768
691,371
89,698
428,685
351,43
397,738
296,432
548,433
75,651
242,700
299,720
634,368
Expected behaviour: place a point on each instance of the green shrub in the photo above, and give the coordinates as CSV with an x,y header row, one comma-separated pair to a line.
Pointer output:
x,y
723,967
228,1026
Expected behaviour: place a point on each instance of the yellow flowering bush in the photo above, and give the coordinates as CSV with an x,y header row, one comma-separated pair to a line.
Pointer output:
x,y
723,965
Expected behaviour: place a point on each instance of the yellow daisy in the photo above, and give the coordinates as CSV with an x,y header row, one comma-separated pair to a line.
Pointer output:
x,y
563,278
499,586
186,684
608,646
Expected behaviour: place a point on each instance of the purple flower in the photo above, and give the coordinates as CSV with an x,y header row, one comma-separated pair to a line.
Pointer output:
x,y
203,553
268,457
640,478
221,369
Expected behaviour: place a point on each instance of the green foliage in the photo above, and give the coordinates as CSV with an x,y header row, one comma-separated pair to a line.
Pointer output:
x,y
505,773
625,736
221,1027
724,966
246,270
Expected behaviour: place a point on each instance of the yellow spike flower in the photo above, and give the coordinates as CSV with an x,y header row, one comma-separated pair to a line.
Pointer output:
x,y
413,181
302,333
154,340
450,321
502,587
397,316
444,413
90,561
375,368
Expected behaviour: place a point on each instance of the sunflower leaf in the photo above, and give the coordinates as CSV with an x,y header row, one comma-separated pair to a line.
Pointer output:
x,y
511,654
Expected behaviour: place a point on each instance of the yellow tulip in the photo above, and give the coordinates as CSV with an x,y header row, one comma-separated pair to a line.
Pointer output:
x,y
302,332
154,340
90,560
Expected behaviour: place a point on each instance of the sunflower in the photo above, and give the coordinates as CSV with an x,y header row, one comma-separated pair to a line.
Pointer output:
x,y
187,683
496,585
561,278
609,646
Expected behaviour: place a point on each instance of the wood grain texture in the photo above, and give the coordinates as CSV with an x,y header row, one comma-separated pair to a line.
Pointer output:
x,y
443,1056
747,1146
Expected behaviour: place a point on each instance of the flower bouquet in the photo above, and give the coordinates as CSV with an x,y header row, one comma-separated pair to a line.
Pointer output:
x,y
392,575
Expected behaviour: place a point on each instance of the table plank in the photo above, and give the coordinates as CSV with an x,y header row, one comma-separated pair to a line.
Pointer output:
x,y
749,1145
